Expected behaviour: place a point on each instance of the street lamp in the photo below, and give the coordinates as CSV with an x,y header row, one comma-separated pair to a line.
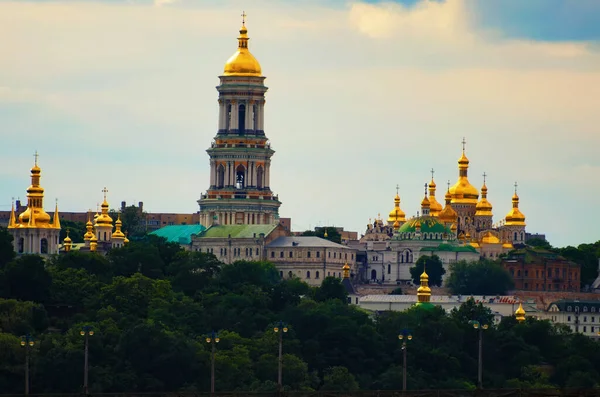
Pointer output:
x,y
404,336
281,328
86,332
213,339
478,325
27,342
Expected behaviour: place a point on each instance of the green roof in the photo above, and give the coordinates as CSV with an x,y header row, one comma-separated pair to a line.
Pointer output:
x,y
429,224
237,231
425,305
451,248
180,234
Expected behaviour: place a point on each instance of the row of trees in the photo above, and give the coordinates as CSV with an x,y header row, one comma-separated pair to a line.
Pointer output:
x,y
151,306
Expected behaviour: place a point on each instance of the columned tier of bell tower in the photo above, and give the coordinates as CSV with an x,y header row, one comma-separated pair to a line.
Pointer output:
x,y
240,154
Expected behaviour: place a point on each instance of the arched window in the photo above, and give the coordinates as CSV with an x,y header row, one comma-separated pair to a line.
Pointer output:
x,y
240,174
317,275
228,120
241,118
522,236
407,256
21,245
44,246
259,177
105,237
373,274
254,117
290,274
220,176
389,269
515,239
281,274
308,274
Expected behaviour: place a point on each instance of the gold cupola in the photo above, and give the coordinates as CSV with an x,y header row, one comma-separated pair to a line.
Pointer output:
x,y
34,215
448,215
104,219
425,204
242,63
435,207
483,207
12,221
118,233
346,270
463,192
515,217
396,215
424,292
520,313
89,228
67,242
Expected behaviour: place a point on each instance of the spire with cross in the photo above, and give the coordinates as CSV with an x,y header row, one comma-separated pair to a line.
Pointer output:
x,y
105,190
516,187
243,18
448,183
35,156
397,189
426,189
432,172
484,176
464,142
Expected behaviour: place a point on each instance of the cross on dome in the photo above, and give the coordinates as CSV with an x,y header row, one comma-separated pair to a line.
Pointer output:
x,y
432,172
397,188
244,17
515,187
105,190
36,155
464,142
484,175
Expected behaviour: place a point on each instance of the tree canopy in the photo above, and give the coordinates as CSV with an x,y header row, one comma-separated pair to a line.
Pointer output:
x,y
433,265
483,277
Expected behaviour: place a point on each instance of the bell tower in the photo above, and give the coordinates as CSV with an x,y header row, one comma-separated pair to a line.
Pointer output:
x,y
240,154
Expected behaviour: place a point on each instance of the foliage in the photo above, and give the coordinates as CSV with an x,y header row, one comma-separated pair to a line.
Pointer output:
x,y
332,234
7,251
538,242
151,305
433,265
586,255
484,277
76,231
397,291
133,220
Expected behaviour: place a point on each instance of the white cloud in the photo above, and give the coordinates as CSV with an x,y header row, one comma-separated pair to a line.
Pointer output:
x,y
361,98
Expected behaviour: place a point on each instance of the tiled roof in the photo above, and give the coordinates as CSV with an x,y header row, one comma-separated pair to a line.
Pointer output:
x,y
180,234
304,241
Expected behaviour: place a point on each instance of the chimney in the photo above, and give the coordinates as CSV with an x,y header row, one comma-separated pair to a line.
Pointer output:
x,y
123,205
141,206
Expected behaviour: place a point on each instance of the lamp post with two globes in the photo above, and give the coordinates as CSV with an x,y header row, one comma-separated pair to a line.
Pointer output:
x,y
404,336
280,328
86,332
27,342
213,339
479,326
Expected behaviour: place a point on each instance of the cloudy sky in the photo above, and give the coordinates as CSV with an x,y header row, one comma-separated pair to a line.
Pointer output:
x,y
362,96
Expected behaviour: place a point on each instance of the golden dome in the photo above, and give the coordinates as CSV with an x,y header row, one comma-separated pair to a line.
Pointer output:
x,y
346,269
242,63
435,206
453,227
474,244
489,238
520,313
396,215
118,233
448,215
34,215
126,239
463,192
515,217
424,292
507,245
483,207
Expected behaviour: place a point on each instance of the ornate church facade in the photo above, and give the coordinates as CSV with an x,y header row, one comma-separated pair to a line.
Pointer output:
x,y
240,154
33,231
462,229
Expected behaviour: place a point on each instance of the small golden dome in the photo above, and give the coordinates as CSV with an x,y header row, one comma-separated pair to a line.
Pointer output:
x,y
483,207
67,240
507,245
448,215
520,313
424,292
489,238
453,227
515,217
435,206
396,215
242,63
474,244
118,233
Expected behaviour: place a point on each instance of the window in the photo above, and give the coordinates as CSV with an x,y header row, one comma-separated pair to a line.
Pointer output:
x,y
308,254
281,254
329,254
389,269
585,309
352,256
225,251
334,255
317,275
318,254
584,328
259,177
21,245
518,273
242,118
272,254
593,309
526,273
569,309
221,253
281,274
44,245
308,274
569,318
345,256
291,254
257,252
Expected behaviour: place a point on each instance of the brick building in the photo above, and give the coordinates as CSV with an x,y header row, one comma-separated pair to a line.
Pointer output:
x,y
541,270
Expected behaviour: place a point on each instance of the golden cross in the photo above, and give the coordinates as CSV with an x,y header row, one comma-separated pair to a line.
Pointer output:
x,y
464,142
425,189
36,155
432,172
244,17
105,190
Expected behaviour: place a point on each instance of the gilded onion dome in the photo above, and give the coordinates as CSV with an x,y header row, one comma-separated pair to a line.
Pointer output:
x,y
448,215
89,228
67,242
435,207
118,233
484,207
396,215
424,292
242,63
515,217
34,215
104,220
489,238
463,192
520,313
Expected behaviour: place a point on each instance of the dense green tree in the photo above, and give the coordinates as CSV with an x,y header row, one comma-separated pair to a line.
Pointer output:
x,y
397,291
339,379
7,251
76,231
332,234
586,255
26,278
331,288
134,221
190,271
484,277
433,265
538,242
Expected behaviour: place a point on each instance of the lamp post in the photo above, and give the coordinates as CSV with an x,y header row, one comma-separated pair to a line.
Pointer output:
x,y
86,332
213,339
27,342
281,328
478,325
404,336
